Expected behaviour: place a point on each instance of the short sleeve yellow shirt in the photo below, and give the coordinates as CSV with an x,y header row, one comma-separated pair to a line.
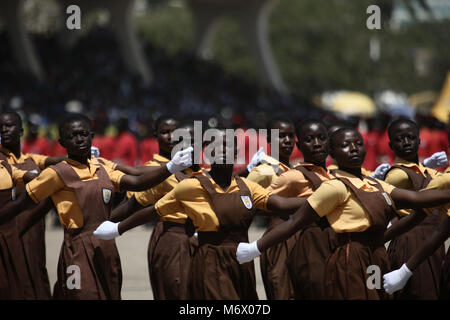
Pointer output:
x,y
293,183
49,184
335,201
190,197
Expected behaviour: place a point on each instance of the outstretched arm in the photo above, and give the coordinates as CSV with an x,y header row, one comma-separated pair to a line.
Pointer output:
x,y
35,215
150,178
13,208
54,160
109,230
408,199
280,205
404,224
302,218
397,279
125,209
135,171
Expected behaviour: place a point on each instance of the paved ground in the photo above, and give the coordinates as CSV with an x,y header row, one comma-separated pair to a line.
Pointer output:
x,y
133,254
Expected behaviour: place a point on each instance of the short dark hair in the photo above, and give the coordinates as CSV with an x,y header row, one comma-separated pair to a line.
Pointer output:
x,y
161,119
72,118
14,114
335,134
306,122
398,121
278,119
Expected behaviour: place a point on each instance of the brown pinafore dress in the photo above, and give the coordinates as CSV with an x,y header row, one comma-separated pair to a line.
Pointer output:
x,y
314,245
12,262
425,282
273,264
169,257
346,270
96,260
33,244
215,272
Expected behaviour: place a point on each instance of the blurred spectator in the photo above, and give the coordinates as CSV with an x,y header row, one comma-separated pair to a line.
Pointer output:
x,y
103,142
35,143
148,147
125,145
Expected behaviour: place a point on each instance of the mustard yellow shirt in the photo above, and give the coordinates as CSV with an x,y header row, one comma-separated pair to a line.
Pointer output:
x,y
106,162
152,195
265,174
440,182
335,201
293,183
399,178
334,166
151,163
12,159
190,197
8,181
49,184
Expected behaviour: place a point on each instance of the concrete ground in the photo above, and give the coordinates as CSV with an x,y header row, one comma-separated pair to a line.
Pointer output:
x,y
132,248
133,254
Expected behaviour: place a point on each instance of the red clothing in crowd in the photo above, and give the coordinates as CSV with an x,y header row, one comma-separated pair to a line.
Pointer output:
x,y
370,141
384,152
105,145
56,149
125,149
432,141
147,148
40,145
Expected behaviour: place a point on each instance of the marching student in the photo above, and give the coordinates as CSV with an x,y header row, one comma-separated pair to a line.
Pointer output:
x,y
398,279
408,173
37,285
310,247
274,272
170,246
81,190
13,269
358,209
221,206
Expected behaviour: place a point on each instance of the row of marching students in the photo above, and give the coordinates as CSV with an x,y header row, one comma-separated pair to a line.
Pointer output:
x,y
219,206
327,226
80,188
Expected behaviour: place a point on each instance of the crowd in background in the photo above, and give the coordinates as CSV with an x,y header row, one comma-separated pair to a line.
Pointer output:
x,y
90,78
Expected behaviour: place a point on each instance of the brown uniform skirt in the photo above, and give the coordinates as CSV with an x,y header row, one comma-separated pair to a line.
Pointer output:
x,y
274,266
98,263
169,260
12,263
33,244
425,282
215,272
307,262
445,278
346,270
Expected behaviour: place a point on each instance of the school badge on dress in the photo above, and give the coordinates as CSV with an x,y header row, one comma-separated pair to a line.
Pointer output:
x,y
387,198
247,202
106,195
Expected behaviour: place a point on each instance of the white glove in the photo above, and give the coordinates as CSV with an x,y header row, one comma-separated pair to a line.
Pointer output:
x,y
396,280
181,160
438,159
246,252
95,152
256,159
107,230
380,171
